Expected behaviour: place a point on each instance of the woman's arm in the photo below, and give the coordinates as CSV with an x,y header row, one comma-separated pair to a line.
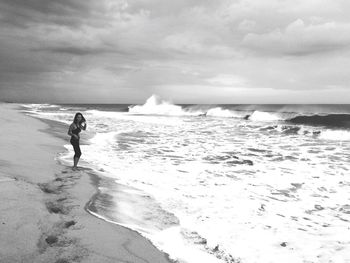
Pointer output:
x,y
83,127
71,127
70,130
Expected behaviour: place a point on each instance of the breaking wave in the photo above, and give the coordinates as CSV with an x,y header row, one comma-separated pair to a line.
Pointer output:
x,y
220,112
156,106
260,113
264,116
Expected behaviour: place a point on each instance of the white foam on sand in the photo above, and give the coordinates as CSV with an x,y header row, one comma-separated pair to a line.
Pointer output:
x,y
287,212
6,179
290,205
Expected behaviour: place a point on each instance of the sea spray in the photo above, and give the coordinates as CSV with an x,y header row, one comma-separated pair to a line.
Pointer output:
x,y
289,201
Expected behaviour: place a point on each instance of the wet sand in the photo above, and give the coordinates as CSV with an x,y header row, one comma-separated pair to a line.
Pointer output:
x,y
43,216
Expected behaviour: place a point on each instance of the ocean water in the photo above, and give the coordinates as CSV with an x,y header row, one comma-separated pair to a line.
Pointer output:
x,y
222,183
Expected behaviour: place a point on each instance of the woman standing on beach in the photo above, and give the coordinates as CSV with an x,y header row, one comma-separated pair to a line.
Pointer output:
x,y
75,128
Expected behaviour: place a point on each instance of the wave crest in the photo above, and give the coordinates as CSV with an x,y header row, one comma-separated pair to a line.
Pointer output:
x,y
219,112
156,106
264,116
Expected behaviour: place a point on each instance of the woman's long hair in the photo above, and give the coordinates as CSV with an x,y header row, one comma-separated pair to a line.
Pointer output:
x,y
76,118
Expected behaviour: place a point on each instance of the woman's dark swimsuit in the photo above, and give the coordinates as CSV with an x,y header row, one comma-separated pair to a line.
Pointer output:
x,y
75,142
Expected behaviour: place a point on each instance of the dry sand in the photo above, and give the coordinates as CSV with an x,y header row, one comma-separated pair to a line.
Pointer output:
x,y
42,216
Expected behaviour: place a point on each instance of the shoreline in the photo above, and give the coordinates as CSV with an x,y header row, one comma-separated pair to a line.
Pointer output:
x,y
71,233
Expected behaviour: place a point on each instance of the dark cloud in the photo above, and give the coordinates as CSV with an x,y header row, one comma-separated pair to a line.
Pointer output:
x,y
23,13
317,49
14,60
320,49
301,39
239,46
79,50
158,8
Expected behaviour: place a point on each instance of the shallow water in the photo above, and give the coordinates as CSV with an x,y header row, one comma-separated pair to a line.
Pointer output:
x,y
218,187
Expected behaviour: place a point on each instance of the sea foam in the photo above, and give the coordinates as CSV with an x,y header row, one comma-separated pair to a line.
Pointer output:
x,y
288,202
156,106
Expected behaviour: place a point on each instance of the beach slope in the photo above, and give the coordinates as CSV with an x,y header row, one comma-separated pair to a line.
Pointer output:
x,y
42,215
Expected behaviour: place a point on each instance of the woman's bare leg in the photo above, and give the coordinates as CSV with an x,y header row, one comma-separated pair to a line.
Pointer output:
x,y
76,160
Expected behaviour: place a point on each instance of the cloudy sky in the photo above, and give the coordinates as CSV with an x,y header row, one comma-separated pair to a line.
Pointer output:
x,y
187,51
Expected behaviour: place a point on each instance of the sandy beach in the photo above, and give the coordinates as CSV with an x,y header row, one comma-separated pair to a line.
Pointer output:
x,y
42,216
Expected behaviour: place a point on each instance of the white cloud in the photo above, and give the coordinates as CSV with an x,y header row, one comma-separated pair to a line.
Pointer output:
x,y
227,80
299,38
246,25
247,46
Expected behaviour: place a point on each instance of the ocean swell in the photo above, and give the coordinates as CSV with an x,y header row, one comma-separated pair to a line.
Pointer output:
x,y
331,120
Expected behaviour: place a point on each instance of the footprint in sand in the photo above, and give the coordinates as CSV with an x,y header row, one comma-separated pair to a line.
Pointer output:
x,y
56,208
61,199
51,240
50,188
69,223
